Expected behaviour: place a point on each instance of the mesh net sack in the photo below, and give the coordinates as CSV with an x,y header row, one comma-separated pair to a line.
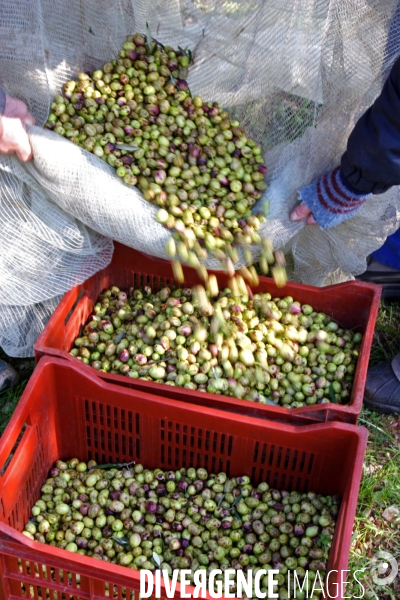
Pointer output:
x,y
296,73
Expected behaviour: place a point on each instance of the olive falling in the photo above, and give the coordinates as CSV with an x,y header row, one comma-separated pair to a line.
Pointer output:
x,y
261,349
185,155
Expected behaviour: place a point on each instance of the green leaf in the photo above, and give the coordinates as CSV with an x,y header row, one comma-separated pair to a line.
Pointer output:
x,y
91,31
237,500
324,541
120,335
128,148
216,376
121,541
113,466
151,47
186,52
332,394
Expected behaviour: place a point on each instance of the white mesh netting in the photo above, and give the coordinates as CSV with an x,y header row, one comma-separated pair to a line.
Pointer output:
x,y
297,73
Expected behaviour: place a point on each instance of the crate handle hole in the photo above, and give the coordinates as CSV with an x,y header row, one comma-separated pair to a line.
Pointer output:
x,y
73,307
14,449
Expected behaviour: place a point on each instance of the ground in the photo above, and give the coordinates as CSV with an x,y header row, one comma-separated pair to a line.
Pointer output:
x,y
377,524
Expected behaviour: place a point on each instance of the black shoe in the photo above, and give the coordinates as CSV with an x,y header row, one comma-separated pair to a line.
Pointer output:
x,y
8,376
382,390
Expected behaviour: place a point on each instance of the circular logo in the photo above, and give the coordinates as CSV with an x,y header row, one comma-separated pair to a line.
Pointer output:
x,y
385,568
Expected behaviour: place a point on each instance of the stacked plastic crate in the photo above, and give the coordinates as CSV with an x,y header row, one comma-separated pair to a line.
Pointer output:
x,y
69,409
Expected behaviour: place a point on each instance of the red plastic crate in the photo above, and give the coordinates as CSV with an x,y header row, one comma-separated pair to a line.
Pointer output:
x,y
353,304
66,411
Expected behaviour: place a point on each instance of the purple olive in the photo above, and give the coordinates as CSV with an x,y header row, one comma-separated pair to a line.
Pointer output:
x,y
299,530
134,487
153,109
82,543
151,507
132,54
107,532
124,356
182,486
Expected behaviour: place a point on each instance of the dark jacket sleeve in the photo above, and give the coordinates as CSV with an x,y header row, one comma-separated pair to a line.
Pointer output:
x,y
371,163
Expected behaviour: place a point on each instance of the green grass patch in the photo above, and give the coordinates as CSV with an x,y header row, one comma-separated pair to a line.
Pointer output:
x,y
9,398
8,403
380,489
387,333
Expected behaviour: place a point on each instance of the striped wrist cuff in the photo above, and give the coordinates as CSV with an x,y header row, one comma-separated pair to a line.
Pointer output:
x,y
330,200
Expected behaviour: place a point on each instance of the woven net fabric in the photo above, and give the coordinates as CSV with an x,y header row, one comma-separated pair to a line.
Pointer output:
x,y
296,73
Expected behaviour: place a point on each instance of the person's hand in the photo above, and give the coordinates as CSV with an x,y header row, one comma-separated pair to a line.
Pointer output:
x,y
328,201
13,136
302,212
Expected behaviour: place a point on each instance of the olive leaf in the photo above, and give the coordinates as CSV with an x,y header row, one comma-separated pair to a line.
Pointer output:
x,y
332,394
157,559
121,541
237,499
120,335
113,466
268,401
128,148
216,376
323,541
220,500
151,47
233,507
186,52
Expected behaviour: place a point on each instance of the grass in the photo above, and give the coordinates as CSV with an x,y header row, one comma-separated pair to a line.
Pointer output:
x,y
380,489
380,485
387,333
9,399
